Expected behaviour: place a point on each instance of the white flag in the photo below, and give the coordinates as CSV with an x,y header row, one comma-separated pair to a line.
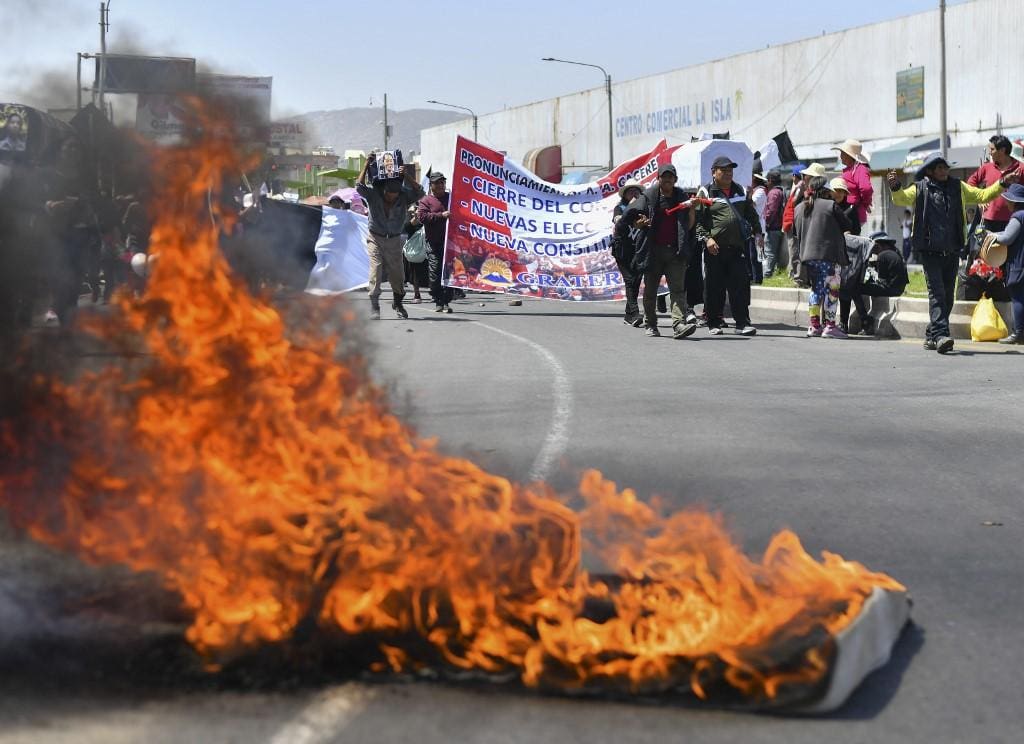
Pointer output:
x,y
342,261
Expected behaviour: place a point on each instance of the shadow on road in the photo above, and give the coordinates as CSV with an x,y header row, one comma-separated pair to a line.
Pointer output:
x,y
879,688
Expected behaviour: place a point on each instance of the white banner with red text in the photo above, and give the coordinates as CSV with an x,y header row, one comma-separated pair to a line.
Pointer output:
x,y
510,231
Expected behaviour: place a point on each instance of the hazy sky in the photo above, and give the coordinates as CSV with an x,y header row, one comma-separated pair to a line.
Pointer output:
x,y
484,55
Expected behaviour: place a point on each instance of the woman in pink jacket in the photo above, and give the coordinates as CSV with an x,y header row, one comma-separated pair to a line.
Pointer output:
x,y
857,177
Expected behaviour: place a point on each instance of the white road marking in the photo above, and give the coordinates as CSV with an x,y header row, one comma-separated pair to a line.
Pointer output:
x,y
558,433
333,709
329,712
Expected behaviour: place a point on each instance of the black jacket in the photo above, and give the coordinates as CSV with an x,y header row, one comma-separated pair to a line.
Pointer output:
x,y
647,204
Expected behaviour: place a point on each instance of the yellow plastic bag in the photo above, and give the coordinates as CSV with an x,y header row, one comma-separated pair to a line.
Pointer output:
x,y
986,323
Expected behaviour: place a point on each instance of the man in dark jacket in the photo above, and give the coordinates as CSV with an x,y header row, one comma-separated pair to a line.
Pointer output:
x,y
940,218
663,249
727,228
432,212
624,250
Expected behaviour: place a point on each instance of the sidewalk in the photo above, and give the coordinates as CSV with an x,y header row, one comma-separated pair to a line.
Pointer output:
x,y
898,317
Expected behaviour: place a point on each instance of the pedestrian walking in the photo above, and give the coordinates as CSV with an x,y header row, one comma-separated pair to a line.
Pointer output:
x,y
387,200
859,193
432,211
624,251
728,227
819,231
940,205
998,211
416,274
663,248
1012,236
774,243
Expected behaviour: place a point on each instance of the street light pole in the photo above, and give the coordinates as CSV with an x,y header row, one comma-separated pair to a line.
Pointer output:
x,y
452,105
608,90
104,25
943,134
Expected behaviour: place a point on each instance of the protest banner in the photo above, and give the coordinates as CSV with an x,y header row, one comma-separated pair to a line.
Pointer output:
x,y
510,231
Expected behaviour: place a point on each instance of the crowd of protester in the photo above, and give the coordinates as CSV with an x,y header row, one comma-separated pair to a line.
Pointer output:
x,y
707,245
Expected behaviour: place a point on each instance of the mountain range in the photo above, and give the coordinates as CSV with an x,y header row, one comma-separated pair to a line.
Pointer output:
x,y
363,128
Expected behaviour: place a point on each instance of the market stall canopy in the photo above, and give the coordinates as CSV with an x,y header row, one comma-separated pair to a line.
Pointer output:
x,y
896,157
693,162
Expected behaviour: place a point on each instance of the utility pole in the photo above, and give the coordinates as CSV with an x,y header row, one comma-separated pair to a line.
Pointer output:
x,y
104,25
78,89
611,130
386,121
944,132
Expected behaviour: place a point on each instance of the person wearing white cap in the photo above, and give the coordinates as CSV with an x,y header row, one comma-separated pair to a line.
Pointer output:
x,y
840,192
801,178
858,179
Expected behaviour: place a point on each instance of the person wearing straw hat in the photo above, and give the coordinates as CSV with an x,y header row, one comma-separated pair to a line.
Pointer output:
x,y
624,251
1013,238
940,205
858,179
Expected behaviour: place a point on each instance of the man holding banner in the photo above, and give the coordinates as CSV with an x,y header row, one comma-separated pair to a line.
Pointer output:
x,y
664,248
387,201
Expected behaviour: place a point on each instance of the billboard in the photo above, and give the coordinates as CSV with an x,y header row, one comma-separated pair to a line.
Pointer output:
x,y
910,94
129,73
160,117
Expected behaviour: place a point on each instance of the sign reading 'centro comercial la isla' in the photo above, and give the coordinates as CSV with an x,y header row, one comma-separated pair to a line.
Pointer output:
x,y
715,111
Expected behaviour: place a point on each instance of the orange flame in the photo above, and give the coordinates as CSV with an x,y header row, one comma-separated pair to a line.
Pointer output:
x,y
267,483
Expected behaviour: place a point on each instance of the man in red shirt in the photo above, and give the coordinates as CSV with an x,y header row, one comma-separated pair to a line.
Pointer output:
x,y
997,213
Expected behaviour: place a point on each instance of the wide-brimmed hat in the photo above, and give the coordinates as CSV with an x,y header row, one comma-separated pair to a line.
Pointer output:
x,y
1015,193
630,184
838,184
930,162
882,237
853,148
991,252
814,170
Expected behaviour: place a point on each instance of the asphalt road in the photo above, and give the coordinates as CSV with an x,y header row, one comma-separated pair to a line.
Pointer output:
x,y
902,459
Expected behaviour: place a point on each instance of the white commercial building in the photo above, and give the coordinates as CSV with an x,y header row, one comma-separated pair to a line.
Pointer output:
x,y
878,84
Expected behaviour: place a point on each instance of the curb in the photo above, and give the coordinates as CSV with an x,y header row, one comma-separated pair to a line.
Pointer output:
x,y
895,317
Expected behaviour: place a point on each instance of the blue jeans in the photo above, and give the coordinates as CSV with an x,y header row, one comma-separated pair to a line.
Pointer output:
x,y
772,251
